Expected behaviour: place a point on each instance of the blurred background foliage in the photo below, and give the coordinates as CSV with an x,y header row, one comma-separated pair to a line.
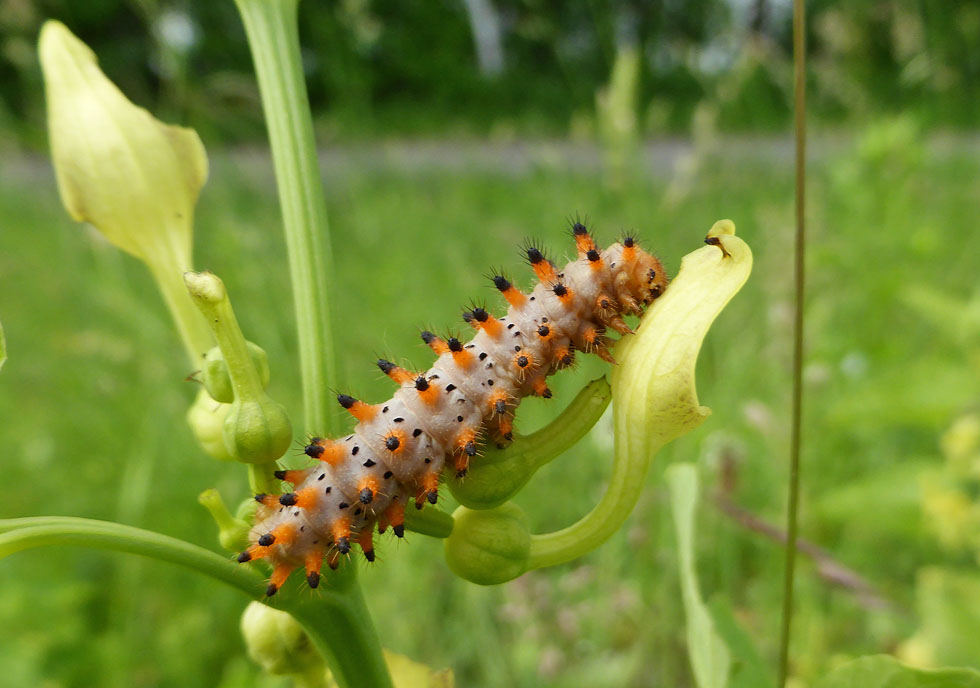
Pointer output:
x,y
94,393
514,67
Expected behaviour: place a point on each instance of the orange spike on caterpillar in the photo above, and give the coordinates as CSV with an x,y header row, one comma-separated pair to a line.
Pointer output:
x,y
437,419
514,296
357,408
396,373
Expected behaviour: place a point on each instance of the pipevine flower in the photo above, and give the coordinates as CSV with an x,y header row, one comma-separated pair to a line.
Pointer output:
x,y
131,176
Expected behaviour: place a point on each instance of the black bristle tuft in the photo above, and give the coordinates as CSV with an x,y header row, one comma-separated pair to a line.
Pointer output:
x,y
392,443
313,579
345,400
480,314
421,384
501,282
433,497
427,336
454,344
343,545
522,361
314,451
544,331
578,229
467,316
399,530
271,590
534,255
470,449
267,540
366,495
369,555
260,498
280,475
288,499
592,255
560,289
386,366
244,557
500,406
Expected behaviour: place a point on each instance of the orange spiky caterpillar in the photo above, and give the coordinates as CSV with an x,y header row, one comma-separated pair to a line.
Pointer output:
x,y
399,448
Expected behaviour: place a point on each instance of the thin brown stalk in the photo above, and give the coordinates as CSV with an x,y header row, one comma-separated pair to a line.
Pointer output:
x,y
799,116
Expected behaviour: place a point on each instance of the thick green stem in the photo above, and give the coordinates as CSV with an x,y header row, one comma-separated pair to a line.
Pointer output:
x,y
334,618
274,41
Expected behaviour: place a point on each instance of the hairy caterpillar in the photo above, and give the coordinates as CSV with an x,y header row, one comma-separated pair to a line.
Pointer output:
x,y
399,448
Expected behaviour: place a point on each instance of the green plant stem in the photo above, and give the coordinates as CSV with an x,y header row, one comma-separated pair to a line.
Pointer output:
x,y
799,112
334,619
274,41
29,533
617,503
347,638
429,521
191,327
208,293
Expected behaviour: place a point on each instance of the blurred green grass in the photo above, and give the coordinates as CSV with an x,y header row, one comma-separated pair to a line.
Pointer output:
x,y
94,395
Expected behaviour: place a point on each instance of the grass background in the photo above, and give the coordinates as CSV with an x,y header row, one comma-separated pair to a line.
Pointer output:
x,y
94,396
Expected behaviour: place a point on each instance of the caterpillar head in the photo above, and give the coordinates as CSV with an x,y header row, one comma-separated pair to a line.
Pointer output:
x,y
649,279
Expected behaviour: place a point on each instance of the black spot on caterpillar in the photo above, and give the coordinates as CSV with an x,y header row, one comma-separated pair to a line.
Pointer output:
x,y
453,407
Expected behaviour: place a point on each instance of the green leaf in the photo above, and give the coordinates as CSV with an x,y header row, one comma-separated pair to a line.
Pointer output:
x,y
710,658
882,671
749,670
3,347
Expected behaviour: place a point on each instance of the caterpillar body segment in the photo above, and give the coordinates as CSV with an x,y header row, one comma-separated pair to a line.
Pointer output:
x,y
440,418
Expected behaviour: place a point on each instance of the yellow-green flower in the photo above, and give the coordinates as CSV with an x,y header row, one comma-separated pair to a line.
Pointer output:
x,y
133,177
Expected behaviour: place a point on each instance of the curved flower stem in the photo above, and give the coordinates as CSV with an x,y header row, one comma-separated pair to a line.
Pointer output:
x,y
501,473
625,485
334,619
271,27
654,396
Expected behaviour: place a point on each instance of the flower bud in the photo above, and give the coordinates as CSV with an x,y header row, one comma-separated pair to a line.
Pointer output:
x,y
276,642
490,546
214,372
257,430
133,177
207,420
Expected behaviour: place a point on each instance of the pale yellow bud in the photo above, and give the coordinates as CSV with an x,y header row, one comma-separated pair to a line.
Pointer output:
x,y
133,177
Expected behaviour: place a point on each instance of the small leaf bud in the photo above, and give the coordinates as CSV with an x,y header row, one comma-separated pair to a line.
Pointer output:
x,y
207,420
214,372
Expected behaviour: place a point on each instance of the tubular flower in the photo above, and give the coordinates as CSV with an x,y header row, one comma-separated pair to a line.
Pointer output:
x,y
133,177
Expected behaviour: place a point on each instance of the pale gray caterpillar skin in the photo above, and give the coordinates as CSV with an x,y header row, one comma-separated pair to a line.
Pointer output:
x,y
400,447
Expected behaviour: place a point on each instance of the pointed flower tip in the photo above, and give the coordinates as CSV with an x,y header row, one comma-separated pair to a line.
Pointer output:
x,y
133,177
654,393
205,286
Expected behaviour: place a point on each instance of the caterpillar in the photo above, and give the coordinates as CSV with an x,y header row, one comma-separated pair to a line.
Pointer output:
x,y
439,418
